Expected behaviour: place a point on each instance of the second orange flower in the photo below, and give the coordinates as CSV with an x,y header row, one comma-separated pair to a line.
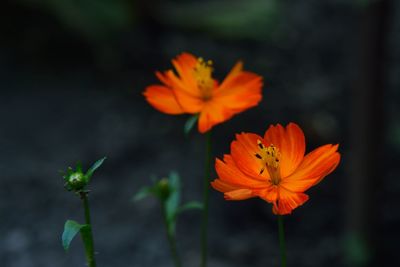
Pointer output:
x,y
274,167
192,89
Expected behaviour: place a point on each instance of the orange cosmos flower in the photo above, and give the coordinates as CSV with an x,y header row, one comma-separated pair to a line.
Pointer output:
x,y
274,168
193,90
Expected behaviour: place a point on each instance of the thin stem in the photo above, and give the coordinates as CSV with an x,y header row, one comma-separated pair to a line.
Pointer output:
x,y
282,240
171,240
206,187
87,235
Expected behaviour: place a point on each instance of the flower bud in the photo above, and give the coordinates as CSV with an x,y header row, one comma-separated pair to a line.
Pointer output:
x,y
75,181
163,189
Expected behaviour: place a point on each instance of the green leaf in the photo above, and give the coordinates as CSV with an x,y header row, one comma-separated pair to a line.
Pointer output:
x,y
172,203
71,228
160,190
190,123
143,193
191,206
174,180
94,167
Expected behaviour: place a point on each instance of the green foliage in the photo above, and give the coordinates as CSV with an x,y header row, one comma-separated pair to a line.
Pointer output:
x,y
71,228
168,192
94,19
143,193
94,167
192,205
171,203
190,123
226,18
160,190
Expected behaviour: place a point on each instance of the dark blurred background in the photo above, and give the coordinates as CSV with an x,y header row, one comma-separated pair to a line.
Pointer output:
x,y
71,77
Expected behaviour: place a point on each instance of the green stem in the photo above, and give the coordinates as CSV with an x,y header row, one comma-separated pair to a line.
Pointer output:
x,y
282,240
87,235
206,187
171,240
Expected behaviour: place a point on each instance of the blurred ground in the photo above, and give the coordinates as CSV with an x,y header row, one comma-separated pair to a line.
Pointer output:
x,y
64,99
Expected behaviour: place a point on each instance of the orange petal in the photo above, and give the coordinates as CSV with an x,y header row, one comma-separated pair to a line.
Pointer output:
x,y
177,83
232,192
222,186
315,166
183,79
242,95
269,194
228,172
237,68
162,99
244,151
189,103
163,77
239,194
212,114
291,145
186,60
184,65
288,201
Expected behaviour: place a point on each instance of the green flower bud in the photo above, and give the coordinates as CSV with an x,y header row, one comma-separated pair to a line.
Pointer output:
x,y
75,181
163,189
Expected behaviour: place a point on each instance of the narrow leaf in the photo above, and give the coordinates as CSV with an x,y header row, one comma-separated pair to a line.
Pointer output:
x,y
191,206
94,167
172,203
174,180
173,200
190,123
143,193
71,228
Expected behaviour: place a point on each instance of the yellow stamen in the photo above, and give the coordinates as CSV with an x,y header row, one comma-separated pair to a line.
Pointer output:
x,y
202,73
270,158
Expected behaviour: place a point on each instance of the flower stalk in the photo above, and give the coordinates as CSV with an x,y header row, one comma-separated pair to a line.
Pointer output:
x,y
171,240
206,189
282,245
87,235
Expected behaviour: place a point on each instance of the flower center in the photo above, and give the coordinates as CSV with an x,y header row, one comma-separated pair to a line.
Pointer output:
x,y
202,73
270,158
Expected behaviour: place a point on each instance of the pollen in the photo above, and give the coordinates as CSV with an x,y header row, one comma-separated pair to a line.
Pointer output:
x,y
203,75
270,158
